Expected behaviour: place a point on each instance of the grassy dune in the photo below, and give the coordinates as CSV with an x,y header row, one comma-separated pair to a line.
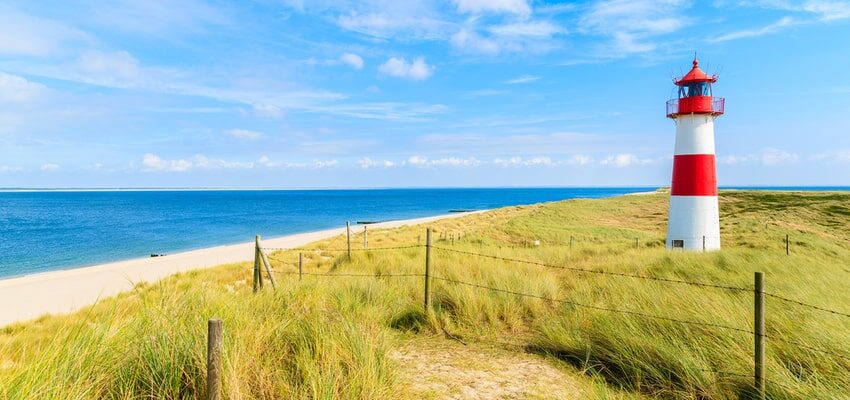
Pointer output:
x,y
334,337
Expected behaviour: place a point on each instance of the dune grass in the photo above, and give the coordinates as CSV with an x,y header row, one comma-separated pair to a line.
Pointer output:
x,y
330,337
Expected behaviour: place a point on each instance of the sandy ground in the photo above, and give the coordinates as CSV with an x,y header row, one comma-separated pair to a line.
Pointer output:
x,y
31,296
447,370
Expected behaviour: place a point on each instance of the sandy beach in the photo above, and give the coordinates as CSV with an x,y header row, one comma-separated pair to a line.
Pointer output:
x,y
27,297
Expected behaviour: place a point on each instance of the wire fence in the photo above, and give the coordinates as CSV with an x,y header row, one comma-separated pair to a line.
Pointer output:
x,y
548,265
414,246
800,303
756,290
600,308
593,271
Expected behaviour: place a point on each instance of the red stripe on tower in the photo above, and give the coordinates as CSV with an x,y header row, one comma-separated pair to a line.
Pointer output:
x,y
694,175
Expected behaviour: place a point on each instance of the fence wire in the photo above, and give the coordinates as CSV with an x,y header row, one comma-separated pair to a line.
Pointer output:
x,y
340,250
354,275
574,269
807,347
591,271
787,300
570,302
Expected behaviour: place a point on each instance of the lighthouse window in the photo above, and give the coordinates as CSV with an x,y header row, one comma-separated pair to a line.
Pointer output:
x,y
695,89
678,244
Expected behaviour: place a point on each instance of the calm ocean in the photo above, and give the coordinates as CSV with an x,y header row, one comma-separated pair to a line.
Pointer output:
x,y
50,230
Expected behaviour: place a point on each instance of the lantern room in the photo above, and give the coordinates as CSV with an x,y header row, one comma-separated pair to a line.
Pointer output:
x,y
695,95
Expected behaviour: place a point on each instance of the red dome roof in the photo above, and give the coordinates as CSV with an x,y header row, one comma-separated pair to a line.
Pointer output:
x,y
695,75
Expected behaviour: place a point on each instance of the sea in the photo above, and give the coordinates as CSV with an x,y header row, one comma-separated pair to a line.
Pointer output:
x,y
46,230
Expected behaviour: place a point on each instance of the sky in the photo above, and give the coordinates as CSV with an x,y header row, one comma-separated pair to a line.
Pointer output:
x,y
414,93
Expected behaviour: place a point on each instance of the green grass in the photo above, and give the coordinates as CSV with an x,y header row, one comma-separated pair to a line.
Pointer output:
x,y
331,337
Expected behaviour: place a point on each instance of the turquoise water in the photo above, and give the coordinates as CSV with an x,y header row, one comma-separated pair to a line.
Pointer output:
x,y
50,230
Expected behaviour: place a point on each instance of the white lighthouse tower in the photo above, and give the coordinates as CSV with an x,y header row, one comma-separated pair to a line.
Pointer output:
x,y
694,219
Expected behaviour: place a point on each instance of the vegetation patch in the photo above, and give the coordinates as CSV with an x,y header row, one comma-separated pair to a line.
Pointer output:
x,y
592,309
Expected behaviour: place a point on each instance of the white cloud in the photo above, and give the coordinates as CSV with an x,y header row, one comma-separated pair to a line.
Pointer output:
x,y
626,159
520,7
401,68
468,39
522,79
508,162
422,161
529,36
203,162
767,157
108,67
6,168
23,34
580,160
767,29
388,111
530,162
353,60
825,10
526,28
162,19
771,157
633,24
15,89
266,162
733,159
152,162
829,10
323,164
266,110
243,134
417,160
367,163
387,22
49,167
456,162
840,156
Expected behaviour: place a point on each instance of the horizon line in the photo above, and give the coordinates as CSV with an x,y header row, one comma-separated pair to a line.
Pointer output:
x,y
189,189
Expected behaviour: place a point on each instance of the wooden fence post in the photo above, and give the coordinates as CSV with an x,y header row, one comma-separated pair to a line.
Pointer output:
x,y
787,245
257,276
759,335
571,242
428,270
259,258
636,243
300,266
214,359
348,237
365,237
703,243
265,258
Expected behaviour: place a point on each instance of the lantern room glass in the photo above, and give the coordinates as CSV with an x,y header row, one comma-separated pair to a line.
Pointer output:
x,y
695,89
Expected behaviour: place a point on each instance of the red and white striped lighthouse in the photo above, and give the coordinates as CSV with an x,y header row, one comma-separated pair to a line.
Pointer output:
x,y
694,218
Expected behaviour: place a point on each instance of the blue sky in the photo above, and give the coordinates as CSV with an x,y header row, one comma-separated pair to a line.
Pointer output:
x,y
333,93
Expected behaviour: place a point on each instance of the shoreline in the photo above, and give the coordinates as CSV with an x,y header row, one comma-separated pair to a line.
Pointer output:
x,y
68,290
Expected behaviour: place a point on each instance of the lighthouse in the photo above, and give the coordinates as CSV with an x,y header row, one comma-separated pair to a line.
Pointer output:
x,y
694,219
